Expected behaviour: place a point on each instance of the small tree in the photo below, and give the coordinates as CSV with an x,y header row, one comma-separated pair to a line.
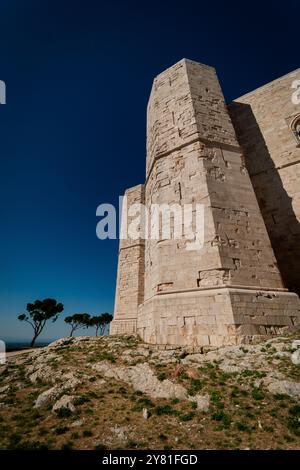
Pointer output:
x,y
38,314
78,320
99,322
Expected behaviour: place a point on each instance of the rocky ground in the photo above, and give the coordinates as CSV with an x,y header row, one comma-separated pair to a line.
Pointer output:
x,y
118,393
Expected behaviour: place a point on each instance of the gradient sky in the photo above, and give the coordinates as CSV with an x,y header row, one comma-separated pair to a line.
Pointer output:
x,y
72,134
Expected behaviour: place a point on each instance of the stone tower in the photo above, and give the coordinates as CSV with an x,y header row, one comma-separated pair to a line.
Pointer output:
x,y
230,290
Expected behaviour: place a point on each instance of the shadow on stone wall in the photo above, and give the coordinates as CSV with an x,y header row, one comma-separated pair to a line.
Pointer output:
x,y
275,203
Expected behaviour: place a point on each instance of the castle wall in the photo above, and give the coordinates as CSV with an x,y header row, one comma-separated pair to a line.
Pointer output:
x,y
262,121
229,291
130,276
193,156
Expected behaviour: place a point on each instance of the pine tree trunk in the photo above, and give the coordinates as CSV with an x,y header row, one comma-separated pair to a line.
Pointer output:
x,y
33,341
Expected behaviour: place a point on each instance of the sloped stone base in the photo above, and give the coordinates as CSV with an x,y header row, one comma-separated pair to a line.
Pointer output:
x,y
216,317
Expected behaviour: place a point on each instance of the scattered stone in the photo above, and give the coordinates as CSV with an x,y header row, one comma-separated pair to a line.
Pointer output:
x,y
3,368
284,387
295,358
193,358
47,357
103,367
65,402
77,423
231,367
142,378
46,396
140,374
296,344
70,384
120,433
165,357
203,401
282,354
99,382
280,347
71,381
44,374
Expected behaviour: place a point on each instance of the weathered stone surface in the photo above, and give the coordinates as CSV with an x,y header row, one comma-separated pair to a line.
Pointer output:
x,y
47,396
65,402
4,389
77,423
142,378
295,358
263,120
44,374
283,387
202,401
296,344
120,433
69,384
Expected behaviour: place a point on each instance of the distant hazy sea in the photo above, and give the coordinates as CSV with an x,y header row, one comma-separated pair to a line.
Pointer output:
x,y
17,345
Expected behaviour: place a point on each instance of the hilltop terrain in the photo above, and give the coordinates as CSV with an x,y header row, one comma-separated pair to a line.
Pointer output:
x,y
119,393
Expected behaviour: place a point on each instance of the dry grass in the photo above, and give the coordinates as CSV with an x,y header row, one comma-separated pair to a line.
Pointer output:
x,y
240,415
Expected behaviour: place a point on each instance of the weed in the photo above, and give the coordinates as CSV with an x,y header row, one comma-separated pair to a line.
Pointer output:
x,y
269,428
67,445
241,426
187,416
281,396
64,412
81,400
257,394
61,430
252,373
142,403
223,417
100,447
195,387
106,356
163,410
293,425
162,376
175,401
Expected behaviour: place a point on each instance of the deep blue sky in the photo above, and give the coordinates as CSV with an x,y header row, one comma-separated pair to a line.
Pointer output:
x,y
72,134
